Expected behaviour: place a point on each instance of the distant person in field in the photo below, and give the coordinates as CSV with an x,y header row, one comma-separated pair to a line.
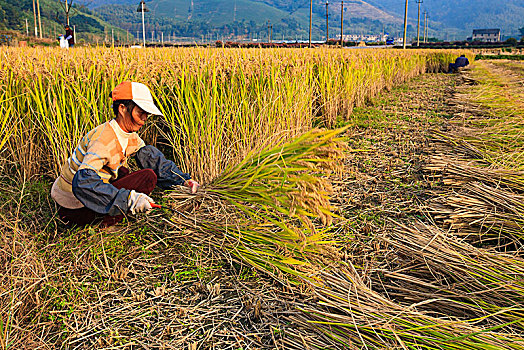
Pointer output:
x,y
69,36
460,62
63,42
95,184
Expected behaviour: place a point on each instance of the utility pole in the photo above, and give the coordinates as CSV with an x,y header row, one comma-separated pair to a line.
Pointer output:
x,y
268,33
74,33
34,14
162,33
310,20
39,18
405,26
342,24
26,27
418,22
425,25
112,37
67,11
327,21
427,29
142,8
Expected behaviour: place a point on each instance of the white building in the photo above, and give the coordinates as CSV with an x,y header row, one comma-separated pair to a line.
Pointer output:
x,y
486,35
358,38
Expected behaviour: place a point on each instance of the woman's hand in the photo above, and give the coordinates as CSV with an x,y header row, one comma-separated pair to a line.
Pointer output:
x,y
193,185
139,202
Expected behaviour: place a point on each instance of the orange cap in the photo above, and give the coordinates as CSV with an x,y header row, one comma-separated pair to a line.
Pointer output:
x,y
137,92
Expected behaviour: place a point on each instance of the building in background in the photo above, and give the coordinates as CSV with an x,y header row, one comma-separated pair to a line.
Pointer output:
x,y
486,35
361,37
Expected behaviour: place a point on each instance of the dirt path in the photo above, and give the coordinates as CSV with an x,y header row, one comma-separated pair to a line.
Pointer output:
x,y
388,148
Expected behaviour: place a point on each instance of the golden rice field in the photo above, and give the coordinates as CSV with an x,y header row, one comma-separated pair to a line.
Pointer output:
x,y
283,140
219,104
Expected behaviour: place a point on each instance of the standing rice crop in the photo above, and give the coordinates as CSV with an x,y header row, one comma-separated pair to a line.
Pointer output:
x,y
219,104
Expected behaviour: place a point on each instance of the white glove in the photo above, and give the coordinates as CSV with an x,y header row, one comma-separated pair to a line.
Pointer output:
x,y
139,202
193,185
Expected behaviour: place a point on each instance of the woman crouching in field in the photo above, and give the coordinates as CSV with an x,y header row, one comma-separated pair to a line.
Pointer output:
x,y
95,185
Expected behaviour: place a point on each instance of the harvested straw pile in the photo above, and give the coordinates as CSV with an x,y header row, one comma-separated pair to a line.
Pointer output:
x,y
485,206
350,315
486,170
466,281
429,290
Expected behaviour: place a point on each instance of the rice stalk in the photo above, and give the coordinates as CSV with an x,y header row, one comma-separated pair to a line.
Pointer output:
x,y
455,173
492,127
267,202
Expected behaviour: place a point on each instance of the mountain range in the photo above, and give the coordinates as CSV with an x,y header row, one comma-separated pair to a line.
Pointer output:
x,y
289,19
448,19
463,16
248,18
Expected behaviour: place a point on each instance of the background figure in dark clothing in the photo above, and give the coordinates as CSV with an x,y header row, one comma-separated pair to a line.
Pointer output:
x,y
70,36
461,61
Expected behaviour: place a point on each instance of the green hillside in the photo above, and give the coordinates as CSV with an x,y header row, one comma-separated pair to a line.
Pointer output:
x,y
89,26
218,12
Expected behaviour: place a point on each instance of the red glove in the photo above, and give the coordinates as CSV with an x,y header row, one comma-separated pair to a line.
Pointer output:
x,y
193,185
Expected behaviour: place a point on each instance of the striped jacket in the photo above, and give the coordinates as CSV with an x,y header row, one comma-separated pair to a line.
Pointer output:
x,y
99,150
86,177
